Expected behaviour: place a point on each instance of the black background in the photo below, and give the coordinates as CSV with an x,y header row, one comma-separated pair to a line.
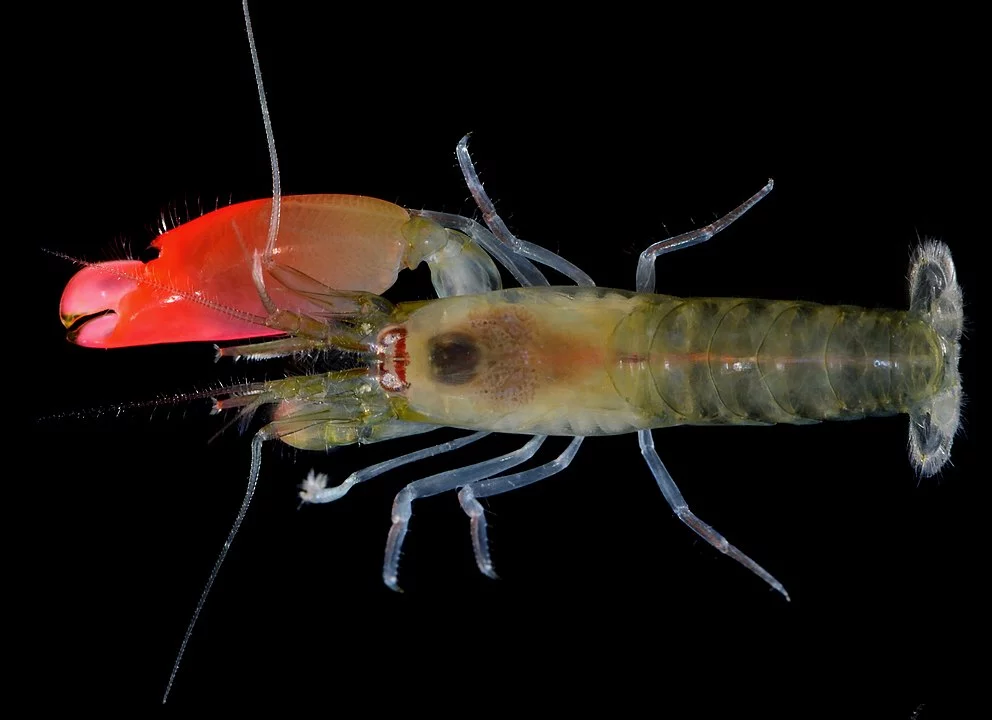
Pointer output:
x,y
596,136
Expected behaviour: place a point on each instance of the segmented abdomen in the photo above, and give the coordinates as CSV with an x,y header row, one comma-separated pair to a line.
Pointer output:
x,y
716,360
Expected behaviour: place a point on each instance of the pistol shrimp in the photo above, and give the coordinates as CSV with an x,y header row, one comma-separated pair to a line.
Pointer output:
x,y
453,350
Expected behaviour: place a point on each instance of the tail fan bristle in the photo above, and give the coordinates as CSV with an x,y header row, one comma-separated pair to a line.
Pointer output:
x,y
934,293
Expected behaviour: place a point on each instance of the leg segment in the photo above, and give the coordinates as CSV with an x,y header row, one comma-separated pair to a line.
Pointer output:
x,y
501,231
646,283
520,267
468,497
645,265
314,489
682,511
442,482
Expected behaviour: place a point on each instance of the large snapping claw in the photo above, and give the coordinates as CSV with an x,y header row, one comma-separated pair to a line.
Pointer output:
x,y
200,287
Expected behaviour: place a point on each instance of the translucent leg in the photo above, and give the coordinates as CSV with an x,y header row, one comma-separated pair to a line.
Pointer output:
x,y
442,482
495,486
645,265
256,464
501,231
314,489
682,511
520,267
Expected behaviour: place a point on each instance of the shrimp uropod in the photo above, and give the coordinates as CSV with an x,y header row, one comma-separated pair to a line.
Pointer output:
x,y
457,358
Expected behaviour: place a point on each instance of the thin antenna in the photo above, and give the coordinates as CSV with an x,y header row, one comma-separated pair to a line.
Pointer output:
x,y
276,210
256,462
256,443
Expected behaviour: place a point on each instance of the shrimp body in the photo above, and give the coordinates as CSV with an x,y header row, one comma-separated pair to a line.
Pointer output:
x,y
536,360
307,273
591,361
581,361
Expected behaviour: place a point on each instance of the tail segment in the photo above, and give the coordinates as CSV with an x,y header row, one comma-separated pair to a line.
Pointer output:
x,y
934,293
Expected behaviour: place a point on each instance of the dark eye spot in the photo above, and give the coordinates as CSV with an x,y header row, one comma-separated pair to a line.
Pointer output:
x,y
453,357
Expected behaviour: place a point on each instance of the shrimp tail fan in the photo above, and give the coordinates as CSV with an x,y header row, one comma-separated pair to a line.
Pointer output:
x,y
935,295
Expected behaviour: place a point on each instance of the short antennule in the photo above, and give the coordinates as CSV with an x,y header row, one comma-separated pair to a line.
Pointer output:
x,y
934,293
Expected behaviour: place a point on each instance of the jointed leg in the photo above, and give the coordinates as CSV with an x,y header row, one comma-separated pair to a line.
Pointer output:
x,y
645,265
468,497
442,482
314,489
501,231
520,267
646,283
682,511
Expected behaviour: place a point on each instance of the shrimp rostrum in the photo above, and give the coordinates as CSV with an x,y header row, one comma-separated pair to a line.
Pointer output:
x,y
306,273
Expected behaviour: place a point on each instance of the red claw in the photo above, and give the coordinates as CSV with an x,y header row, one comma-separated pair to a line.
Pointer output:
x,y
93,296
200,287
125,303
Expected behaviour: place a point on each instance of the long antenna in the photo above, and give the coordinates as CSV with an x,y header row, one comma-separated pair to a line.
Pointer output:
x,y
256,444
270,139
